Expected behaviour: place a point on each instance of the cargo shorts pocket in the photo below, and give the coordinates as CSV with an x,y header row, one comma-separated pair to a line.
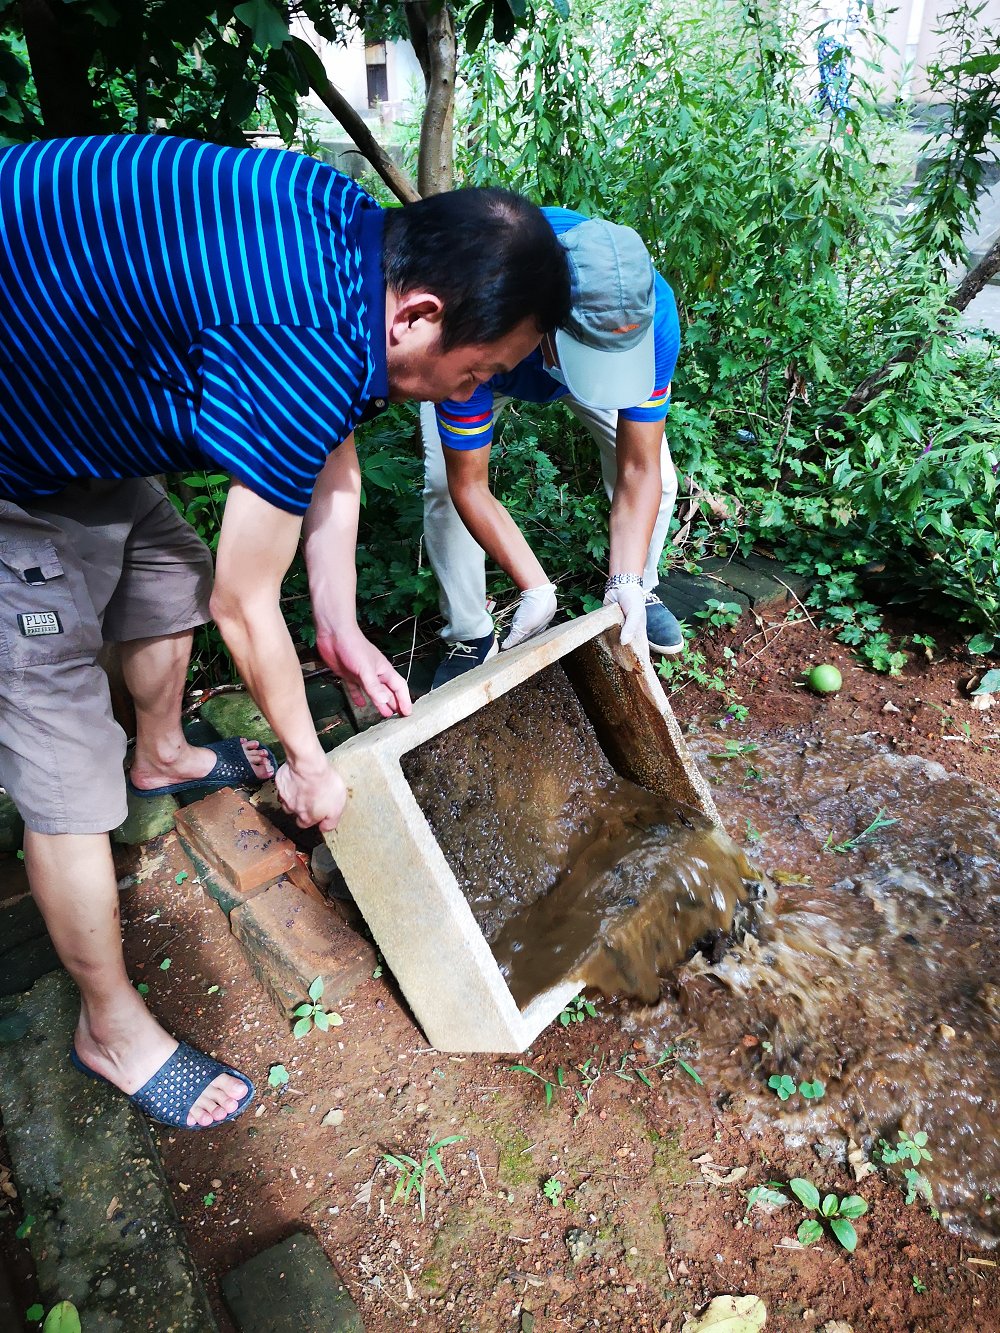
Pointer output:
x,y
40,619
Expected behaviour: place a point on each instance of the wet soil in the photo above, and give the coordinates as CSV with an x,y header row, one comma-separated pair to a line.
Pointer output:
x,y
651,1221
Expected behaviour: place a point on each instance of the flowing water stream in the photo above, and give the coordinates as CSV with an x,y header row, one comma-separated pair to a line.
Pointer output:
x,y
868,962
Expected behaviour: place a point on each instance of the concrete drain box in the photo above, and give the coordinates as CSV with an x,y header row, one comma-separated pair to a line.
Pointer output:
x,y
401,878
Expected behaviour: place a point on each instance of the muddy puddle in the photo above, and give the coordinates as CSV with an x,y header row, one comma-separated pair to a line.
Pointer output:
x,y
874,968
869,962
551,847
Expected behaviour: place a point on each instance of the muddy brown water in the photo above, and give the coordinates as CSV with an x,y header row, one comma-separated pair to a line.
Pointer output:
x,y
873,968
570,870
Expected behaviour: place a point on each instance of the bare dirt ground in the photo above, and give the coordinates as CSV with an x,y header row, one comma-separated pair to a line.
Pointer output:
x,y
639,1232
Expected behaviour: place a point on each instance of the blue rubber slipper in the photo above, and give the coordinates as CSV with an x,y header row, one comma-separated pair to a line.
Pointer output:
x,y
169,1095
232,769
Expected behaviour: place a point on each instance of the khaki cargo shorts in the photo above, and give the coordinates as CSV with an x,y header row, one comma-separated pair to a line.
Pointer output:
x,y
102,561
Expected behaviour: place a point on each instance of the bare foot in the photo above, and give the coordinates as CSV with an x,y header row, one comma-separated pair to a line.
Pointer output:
x,y
128,1046
193,762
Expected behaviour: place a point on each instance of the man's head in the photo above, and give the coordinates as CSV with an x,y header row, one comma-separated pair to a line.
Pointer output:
x,y
473,278
605,347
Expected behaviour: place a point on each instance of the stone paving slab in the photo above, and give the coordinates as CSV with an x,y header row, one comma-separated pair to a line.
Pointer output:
x,y
26,952
290,1288
105,1235
688,594
290,939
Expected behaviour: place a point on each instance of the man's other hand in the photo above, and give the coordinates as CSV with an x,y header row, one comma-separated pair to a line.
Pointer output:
x,y
534,611
365,672
314,797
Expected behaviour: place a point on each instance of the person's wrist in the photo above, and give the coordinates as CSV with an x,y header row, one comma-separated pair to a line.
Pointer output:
x,y
308,762
616,581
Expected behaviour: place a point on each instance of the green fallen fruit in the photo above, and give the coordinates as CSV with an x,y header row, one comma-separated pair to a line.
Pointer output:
x,y
824,679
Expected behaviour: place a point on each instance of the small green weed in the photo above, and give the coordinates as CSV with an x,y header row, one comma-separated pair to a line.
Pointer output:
x,y
907,1149
785,1087
765,1194
24,1229
841,848
552,1189
547,1083
578,1010
837,1213
918,1286
311,1013
413,1174
277,1076
753,834
719,615
915,1151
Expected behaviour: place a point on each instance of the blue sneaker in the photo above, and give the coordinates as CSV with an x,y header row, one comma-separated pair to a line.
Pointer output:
x,y
463,657
662,629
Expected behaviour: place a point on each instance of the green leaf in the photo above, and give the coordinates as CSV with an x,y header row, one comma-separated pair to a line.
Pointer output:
x,y
693,1073
321,1020
561,7
845,1233
62,1318
211,990
268,25
142,988
277,1076
34,1312
809,1231
181,876
302,1009
312,65
812,1091
806,1193
302,1028
982,643
334,1020
316,989
165,965
24,1229
990,683
829,1207
852,1205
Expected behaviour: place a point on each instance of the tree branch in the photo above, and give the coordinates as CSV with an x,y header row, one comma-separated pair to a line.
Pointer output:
x,y
398,182
872,385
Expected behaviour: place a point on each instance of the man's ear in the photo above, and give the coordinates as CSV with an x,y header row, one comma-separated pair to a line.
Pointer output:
x,y
410,310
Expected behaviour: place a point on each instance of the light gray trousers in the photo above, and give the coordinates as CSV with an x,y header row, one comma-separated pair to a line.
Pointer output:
x,y
457,559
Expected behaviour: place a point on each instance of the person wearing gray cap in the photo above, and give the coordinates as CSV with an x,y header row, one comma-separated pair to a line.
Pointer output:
x,y
611,363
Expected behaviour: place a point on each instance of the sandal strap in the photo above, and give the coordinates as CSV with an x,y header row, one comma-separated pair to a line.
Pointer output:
x,y
175,1087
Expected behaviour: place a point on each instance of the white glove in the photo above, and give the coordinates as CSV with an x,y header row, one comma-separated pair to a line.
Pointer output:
x,y
631,597
534,611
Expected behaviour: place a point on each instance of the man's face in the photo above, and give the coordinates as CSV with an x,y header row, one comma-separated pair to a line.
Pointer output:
x,y
418,369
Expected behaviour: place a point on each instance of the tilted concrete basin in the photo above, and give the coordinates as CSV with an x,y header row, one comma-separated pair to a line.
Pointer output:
x,y
398,873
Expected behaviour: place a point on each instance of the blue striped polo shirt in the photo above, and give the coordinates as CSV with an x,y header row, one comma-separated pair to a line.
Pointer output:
x,y
469,425
167,304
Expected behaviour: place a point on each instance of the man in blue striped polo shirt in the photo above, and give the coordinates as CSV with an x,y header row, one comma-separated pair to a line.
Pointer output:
x,y
611,364
166,305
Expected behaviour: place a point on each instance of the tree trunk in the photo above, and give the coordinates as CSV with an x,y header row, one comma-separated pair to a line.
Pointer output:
x,y
60,66
872,385
432,32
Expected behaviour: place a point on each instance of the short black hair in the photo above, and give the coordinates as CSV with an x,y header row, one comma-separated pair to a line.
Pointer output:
x,y
491,257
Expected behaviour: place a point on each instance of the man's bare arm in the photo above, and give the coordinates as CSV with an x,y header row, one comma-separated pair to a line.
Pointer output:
x,y
330,535
256,546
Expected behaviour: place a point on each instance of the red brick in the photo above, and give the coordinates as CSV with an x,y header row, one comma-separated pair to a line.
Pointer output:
x,y
290,939
234,840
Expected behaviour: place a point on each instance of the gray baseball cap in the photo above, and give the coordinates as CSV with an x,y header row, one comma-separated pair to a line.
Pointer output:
x,y
606,346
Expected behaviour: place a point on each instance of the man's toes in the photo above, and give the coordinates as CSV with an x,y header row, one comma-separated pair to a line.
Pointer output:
x,y
257,757
220,1098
